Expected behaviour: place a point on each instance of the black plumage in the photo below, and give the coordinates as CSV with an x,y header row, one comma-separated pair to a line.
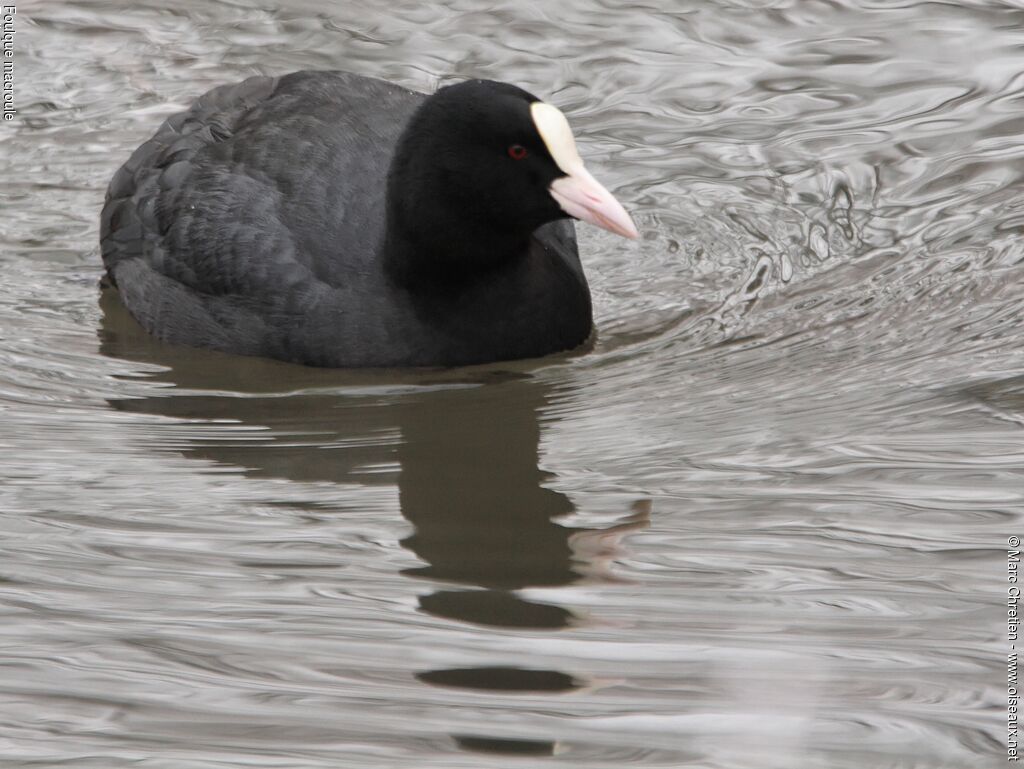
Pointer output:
x,y
337,220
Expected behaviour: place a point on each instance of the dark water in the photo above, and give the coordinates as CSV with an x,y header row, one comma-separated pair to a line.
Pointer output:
x,y
762,523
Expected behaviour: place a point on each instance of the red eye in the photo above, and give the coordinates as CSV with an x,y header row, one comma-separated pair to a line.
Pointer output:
x,y
517,152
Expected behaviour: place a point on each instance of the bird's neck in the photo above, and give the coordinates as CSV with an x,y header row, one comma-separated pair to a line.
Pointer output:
x,y
426,244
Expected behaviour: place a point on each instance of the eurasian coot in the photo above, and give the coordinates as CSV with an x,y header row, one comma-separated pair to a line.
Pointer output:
x,y
336,220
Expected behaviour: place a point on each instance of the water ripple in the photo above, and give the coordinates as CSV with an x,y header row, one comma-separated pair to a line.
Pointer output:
x,y
757,524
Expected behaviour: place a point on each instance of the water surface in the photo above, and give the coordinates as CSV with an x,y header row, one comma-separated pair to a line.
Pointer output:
x,y
760,523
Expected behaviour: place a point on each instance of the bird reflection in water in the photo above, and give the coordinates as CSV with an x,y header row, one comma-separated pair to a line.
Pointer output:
x,y
484,517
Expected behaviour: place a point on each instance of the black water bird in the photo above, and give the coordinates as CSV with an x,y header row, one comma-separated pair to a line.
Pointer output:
x,y
336,220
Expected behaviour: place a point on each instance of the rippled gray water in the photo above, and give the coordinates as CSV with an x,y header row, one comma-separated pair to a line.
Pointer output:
x,y
762,523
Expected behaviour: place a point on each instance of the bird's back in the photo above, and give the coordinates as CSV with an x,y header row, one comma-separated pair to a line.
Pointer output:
x,y
260,198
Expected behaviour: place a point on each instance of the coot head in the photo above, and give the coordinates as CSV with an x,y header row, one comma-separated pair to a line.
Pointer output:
x,y
481,165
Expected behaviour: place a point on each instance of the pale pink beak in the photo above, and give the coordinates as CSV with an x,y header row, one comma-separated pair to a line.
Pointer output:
x,y
580,195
